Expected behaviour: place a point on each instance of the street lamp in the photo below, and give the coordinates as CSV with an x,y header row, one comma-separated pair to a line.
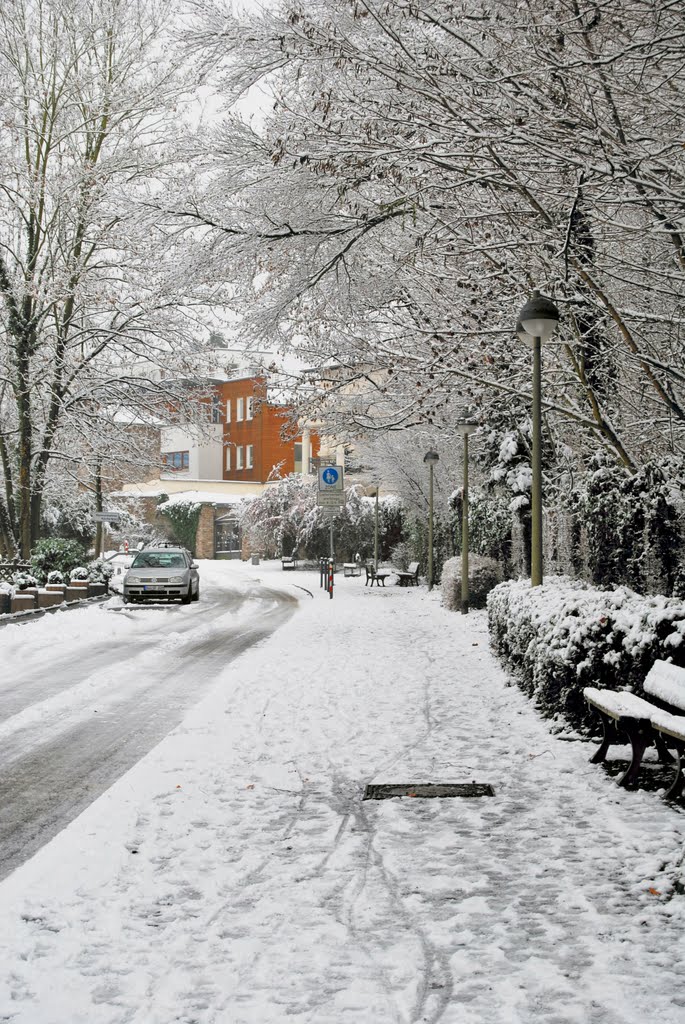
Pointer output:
x,y
375,534
465,427
537,322
431,458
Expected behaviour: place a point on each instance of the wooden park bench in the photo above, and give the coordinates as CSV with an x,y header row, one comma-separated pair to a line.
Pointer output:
x,y
375,577
410,578
289,561
660,720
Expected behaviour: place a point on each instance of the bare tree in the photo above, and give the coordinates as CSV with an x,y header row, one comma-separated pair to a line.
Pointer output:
x,y
425,165
90,97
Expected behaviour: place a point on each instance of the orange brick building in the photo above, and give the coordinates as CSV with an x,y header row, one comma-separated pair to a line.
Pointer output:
x,y
255,436
247,437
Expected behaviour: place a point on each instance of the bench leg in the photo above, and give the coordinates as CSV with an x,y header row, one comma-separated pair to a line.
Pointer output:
x,y
665,755
609,736
675,791
640,736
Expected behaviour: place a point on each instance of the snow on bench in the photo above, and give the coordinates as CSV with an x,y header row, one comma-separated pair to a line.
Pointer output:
x,y
644,722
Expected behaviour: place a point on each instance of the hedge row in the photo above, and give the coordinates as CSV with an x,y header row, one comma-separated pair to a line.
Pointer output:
x,y
565,635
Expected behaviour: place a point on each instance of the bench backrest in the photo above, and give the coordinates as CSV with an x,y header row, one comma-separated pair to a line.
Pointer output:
x,y
666,682
413,568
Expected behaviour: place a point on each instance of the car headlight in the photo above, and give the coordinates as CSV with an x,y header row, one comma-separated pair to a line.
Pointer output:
x,y
176,579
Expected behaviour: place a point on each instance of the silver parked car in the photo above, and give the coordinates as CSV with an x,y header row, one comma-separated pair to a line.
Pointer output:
x,y
162,574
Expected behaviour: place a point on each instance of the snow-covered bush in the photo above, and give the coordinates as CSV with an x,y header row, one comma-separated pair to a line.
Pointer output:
x,y
560,637
484,574
67,514
79,573
24,580
286,517
401,555
55,576
55,553
99,571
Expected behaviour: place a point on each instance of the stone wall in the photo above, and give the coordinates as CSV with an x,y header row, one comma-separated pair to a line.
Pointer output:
x,y
204,541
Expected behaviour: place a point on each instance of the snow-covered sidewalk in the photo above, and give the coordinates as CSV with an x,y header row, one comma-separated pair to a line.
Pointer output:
x,y
235,876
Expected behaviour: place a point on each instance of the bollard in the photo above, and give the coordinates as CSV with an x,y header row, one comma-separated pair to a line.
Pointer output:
x,y
322,572
331,574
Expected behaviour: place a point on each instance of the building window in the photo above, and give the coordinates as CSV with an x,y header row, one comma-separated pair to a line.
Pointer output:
x,y
239,457
249,456
239,407
176,461
216,409
298,457
249,408
228,458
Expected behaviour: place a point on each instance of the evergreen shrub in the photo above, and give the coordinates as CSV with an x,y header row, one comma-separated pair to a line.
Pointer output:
x,y
55,554
558,638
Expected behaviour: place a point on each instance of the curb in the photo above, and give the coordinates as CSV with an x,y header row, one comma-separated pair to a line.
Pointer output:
x,y
21,618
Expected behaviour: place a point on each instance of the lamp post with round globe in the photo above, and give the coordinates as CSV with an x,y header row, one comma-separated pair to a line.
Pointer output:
x,y
537,322
465,427
431,458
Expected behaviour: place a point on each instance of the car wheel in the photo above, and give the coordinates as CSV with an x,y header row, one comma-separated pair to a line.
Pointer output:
x,y
187,598
196,595
126,600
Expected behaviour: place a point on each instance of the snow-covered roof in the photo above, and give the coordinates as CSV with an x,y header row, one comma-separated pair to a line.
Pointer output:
x,y
206,497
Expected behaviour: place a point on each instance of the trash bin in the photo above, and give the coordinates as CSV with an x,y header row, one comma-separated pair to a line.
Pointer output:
x,y
255,559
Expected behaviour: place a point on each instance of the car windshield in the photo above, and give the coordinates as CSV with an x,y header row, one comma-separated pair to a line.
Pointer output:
x,y
159,560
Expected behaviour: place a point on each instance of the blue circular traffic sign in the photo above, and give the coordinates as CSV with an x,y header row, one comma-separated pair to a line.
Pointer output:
x,y
330,476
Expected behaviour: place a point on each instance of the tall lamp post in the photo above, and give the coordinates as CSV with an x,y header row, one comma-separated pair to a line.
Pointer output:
x,y
431,458
375,534
465,427
537,322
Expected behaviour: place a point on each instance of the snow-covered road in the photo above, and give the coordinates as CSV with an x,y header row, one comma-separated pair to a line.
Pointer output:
x,y
236,876
86,693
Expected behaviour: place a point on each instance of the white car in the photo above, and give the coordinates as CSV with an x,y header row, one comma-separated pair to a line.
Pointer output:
x,y
162,574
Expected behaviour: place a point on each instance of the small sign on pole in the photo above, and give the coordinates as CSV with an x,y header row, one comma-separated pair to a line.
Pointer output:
x,y
331,499
107,517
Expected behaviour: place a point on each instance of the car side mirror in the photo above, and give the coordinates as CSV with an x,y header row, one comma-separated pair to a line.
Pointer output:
x,y
193,565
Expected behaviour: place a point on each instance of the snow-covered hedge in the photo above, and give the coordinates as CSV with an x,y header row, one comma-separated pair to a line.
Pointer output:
x,y
565,635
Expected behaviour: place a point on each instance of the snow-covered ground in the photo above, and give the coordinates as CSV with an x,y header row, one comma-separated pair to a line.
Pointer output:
x,y
235,876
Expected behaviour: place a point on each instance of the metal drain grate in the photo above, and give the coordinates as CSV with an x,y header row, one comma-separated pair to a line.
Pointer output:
x,y
428,790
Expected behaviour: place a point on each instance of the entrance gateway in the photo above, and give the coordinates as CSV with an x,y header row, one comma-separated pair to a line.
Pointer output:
x,y
227,537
